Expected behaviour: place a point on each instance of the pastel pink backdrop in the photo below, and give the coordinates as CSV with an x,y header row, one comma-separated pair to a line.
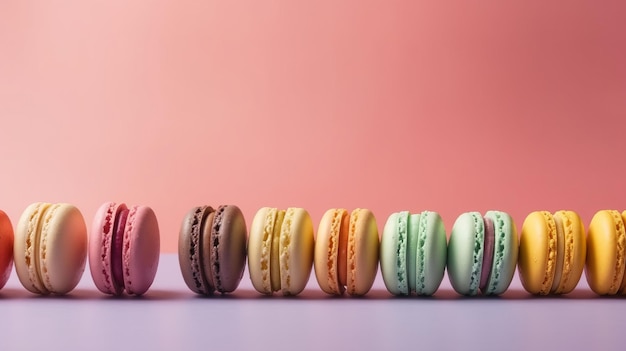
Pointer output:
x,y
448,106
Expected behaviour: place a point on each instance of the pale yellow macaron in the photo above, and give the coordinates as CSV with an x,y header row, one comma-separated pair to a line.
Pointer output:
x,y
280,250
606,252
50,248
346,251
552,252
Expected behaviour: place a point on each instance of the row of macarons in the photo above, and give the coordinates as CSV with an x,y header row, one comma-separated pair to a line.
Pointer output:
x,y
50,246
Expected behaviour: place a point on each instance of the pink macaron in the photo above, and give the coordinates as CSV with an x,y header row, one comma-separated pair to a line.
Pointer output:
x,y
124,248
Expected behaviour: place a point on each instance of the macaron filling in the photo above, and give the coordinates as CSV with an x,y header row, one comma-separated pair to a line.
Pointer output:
x,y
346,237
561,237
488,249
215,243
205,253
275,251
117,245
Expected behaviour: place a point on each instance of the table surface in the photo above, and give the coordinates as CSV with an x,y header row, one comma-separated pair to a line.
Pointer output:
x,y
170,316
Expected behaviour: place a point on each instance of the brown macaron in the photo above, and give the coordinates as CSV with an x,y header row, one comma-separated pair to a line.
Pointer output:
x,y
212,249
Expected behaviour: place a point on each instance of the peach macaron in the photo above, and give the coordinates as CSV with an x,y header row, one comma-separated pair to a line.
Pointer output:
x,y
346,251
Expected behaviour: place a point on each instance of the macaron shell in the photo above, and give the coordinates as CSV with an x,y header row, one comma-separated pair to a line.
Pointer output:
x,y
141,250
260,248
189,248
575,250
432,251
229,256
605,247
100,243
505,253
26,246
393,253
465,253
296,251
363,248
537,252
6,248
63,250
326,256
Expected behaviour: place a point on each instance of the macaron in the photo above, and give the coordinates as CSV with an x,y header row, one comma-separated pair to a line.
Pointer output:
x,y
346,251
124,248
212,249
552,252
280,250
6,248
50,248
606,253
482,253
413,253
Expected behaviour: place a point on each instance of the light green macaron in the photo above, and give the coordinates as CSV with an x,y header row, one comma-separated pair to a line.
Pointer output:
x,y
467,247
413,253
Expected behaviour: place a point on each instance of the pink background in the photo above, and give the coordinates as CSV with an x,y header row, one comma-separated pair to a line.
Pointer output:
x,y
448,106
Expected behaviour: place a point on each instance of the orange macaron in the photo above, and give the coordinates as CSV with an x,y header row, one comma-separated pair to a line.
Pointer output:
x,y
346,251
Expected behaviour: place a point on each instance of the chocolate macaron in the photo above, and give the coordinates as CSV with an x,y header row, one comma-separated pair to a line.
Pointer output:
x,y
212,249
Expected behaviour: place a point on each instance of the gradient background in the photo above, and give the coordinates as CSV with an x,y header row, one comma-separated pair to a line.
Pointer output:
x,y
448,106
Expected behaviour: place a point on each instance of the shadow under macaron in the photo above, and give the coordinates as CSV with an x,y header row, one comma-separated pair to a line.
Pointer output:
x,y
444,294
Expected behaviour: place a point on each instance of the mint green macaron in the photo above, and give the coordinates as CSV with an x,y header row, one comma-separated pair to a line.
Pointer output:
x,y
476,241
413,253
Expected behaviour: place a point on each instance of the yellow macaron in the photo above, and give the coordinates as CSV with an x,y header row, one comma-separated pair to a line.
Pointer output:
x,y
280,250
552,252
606,250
